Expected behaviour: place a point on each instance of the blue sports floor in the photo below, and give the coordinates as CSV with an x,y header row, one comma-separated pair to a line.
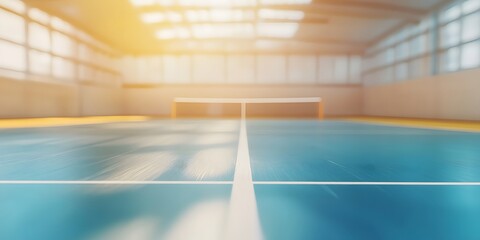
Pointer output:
x,y
173,180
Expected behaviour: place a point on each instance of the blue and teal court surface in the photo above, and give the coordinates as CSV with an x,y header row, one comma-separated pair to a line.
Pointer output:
x,y
173,180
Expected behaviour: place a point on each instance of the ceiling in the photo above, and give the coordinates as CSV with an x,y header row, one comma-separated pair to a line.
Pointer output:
x,y
239,26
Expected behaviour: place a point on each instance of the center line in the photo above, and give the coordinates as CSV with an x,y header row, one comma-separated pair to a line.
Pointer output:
x,y
370,183
243,220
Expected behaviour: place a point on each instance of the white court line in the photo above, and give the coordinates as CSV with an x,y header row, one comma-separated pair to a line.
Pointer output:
x,y
243,221
31,182
371,183
54,182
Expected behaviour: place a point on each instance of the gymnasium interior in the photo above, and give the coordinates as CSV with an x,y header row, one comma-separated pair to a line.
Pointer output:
x,y
239,119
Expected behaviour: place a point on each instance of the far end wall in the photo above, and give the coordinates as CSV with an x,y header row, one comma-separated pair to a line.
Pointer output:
x,y
339,100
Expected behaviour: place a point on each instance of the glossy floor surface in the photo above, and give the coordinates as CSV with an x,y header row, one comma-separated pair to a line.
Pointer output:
x,y
173,180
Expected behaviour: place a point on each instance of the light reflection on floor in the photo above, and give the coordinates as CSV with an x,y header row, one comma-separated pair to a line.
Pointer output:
x,y
181,150
210,163
189,212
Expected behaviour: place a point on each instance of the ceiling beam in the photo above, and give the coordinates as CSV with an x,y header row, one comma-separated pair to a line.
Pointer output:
x,y
320,41
374,9
344,8
189,24
311,51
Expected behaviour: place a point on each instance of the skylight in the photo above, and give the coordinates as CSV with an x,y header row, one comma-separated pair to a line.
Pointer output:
x,y
219,15
140,3
237,30
223,30
173,33
281,14
217,3
285,2
209,19
277,30
157,17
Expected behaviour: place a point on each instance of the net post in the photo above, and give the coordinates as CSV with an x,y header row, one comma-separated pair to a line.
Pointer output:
x,y
243,109
320,110
174,110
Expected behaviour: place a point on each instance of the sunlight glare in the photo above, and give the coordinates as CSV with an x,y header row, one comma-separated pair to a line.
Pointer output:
x,y
211,162
204,221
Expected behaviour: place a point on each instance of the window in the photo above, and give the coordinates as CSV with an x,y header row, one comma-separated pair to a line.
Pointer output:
x,y
355,69
16,6
302,69
325,69
450,34
419,45
368,64
424,25
129,72
404,34
471,28
149,69
39,62
209,69
63,45
85,53
401,71
471,55
39,37
271,69
459,46
61,25
402,51
241,69
450,60
176,69
63,68
341,69
451,13
49,52
390,56
12,56
12,27
470,6
39,16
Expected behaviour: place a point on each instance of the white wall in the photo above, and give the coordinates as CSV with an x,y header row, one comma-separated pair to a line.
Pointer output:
x,y
28,99
242,69
448,96
100,101
237,75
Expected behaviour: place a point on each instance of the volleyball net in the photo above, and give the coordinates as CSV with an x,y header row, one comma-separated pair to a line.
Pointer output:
x,y
311,107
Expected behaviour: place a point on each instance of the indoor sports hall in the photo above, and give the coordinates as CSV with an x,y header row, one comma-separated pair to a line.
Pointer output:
x,y
239,120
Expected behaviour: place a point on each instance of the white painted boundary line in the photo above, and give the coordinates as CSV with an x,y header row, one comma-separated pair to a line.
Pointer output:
x,y
28,182
243,221
372,183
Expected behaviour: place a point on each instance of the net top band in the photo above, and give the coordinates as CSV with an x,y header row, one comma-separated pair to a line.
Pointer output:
x,y
248,100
